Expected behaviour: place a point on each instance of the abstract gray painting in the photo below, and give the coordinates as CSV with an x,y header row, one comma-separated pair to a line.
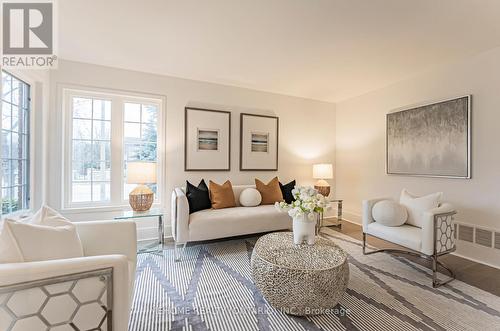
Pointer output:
x,y
431,140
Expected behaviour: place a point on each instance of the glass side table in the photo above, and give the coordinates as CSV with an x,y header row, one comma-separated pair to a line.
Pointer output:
x,y
331,221
155,212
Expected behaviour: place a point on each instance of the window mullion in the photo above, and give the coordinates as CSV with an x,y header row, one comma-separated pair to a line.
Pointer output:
x,y
116,150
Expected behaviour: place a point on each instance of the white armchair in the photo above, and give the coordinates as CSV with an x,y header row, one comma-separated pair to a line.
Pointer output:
x,y
83,291
434,239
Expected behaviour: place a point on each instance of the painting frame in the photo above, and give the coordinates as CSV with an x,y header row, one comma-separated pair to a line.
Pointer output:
x,y
192,127
272,142
467,173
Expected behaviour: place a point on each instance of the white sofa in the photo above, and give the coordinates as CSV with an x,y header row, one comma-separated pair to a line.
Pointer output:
x,y
220,223
107,245
434,239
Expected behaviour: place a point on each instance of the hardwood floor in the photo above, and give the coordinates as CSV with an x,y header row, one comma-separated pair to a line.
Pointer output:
x,y
476,274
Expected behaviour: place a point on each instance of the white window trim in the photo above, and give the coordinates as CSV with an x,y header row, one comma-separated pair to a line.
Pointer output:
x,y
118,99
31,82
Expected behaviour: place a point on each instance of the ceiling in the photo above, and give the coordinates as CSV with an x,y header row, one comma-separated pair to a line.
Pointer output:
x,y
319,49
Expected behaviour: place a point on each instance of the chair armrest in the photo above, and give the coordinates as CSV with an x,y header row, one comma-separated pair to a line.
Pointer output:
x,y
443,216
180,216
16,273
367,211
108,237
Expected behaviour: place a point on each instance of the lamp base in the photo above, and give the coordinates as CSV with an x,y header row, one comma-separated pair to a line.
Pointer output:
x,y
141,198
322,187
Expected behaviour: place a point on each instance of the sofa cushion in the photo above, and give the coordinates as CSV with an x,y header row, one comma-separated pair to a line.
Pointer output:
x,y
389,213
286,191
250,197
220,223
198,197
222,196
270,192
417,206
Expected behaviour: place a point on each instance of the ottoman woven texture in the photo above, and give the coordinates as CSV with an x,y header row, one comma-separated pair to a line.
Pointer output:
x,y
299,279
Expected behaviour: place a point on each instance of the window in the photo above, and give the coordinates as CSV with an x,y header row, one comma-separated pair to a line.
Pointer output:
x,y
140,137
15,149
104,133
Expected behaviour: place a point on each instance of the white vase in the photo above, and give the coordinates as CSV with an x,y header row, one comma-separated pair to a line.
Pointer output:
x,y
303,230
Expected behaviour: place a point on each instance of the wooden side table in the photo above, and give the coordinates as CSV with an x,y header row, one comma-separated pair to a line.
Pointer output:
x,y
331,221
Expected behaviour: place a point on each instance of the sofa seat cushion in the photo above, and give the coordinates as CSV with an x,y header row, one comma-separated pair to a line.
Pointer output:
x,y
405,235
220,223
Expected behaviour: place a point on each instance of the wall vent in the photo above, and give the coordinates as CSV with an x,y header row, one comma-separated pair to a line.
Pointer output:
x,y
484,237
466,233
455,228
497,240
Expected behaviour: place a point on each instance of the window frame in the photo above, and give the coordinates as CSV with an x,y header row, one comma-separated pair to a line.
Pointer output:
x,y
31,133
118,100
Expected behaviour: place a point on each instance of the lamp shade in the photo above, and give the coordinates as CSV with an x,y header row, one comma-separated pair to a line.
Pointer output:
x,y
141,172
323,171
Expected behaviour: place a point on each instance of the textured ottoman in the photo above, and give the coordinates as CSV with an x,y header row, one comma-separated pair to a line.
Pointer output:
x,y
299,279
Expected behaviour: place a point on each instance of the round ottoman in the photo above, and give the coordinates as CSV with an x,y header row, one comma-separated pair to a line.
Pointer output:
x,y
299,279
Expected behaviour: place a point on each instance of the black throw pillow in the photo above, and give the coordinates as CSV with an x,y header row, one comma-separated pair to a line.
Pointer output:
x,y
198,198
286,190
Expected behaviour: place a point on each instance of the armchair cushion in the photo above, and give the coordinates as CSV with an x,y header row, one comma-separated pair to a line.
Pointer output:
x,y
417,206
46,235
389,213
405,235
41,242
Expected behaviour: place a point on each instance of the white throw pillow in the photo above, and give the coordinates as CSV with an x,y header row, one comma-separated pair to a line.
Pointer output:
x,y
46,235
417,206
389,213
250,197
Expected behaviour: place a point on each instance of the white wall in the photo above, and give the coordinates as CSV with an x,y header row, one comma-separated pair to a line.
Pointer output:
x,y
307,128
360,149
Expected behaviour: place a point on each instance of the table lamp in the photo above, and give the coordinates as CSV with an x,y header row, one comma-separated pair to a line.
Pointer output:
x,y
141,198
321,172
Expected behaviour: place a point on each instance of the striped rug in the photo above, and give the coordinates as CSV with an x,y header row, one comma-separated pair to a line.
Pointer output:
x,y
211,288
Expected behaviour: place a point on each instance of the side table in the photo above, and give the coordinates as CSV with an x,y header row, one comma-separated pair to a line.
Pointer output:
x,y
332,221
130,214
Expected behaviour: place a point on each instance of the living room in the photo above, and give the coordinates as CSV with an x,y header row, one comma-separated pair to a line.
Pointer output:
x,y
250,165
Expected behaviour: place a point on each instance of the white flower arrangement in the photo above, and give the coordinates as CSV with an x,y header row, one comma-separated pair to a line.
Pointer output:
x,y
307,202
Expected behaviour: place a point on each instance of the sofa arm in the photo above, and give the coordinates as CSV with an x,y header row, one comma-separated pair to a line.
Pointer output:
x,y
367,211
442,219
18,273
108,237
180,216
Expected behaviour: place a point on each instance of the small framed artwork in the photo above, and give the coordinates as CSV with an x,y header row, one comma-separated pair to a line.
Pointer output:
x,y
258,142
207,139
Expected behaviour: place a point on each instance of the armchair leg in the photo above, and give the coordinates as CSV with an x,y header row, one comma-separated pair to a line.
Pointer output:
x,y
176,251
435,281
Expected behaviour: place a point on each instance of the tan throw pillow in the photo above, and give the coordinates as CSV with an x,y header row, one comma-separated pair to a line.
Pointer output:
x,y
271,192
222,196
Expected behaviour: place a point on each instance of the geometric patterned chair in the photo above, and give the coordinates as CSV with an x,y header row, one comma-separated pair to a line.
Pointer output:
x,y
436,237
86,293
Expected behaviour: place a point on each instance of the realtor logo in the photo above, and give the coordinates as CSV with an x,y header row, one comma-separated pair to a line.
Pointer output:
x,y
28,34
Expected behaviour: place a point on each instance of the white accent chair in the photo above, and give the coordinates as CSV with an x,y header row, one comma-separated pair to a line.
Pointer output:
x,y
109,258
434,239
221,223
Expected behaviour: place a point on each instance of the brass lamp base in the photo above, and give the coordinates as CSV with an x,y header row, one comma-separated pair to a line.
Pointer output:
x,y
323,190
322,187
141,198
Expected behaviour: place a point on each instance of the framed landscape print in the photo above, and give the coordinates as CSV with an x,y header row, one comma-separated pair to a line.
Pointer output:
x,y
207,140
431,140
258,142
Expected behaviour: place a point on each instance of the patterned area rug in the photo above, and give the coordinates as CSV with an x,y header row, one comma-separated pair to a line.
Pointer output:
x,y
212,289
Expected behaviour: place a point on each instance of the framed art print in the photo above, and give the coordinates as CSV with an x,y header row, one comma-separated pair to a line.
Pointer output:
x,y
431,140
207,140
258,142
